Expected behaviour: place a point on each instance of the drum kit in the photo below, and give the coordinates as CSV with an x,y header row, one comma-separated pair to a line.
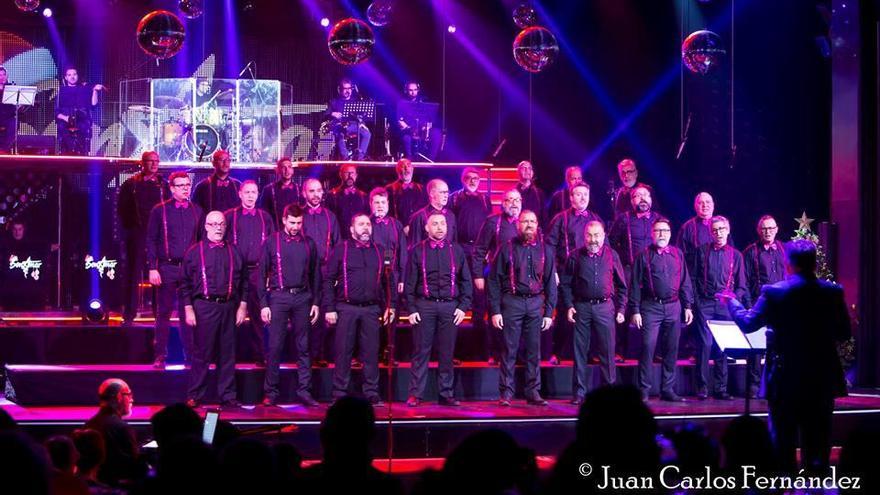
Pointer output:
x,y
184,131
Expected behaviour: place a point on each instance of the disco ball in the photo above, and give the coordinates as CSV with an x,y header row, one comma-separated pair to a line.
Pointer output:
x,y
535,48
701,52
525,16
192,9
160,34
27,5
351,41
379,13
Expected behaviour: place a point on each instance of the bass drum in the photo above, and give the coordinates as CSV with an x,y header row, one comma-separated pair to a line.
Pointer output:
x,y
202,134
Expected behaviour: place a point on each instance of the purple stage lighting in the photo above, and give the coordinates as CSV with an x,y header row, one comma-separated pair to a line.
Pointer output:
x,y
47,12
451,28
325,22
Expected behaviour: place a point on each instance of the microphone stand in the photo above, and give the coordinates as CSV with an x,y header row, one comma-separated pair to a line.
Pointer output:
x,y
389,350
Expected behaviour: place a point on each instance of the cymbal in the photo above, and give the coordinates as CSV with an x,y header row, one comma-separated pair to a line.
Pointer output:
x,y
167,102
141,108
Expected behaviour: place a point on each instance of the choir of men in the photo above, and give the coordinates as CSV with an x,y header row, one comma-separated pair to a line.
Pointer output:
x,y
441,254
522,291
214,290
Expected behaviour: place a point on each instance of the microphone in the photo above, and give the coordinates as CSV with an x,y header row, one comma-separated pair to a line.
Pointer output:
x,y
499,147
684,140
202,146
611,189
388,258
245,68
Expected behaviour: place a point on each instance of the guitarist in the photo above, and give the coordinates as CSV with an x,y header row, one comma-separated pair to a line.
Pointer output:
x,y
341,128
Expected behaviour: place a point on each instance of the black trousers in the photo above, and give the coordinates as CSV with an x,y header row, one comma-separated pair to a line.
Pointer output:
x,y
437,322
479,324
135,259
558,340
169,294
600,319
7,133
621,336
754,369
253,333
321,340
710,309
214,340
357,323
659,320
74,143
431,149
294,309
809,418
522,320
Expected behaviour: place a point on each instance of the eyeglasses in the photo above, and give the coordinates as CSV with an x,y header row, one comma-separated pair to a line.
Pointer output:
x,y
182,185
216,225
768,229
662,231
719,229
628,172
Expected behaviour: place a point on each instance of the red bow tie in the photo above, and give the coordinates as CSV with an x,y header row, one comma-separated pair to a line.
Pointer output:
x,y
222,182
663,250
643,215
475,193
770,247
213,245
314,211
592,254
511,219
350,190
716,248
382,220
705,221
151,179
181,204
252,212
406,185
362,245
434,210
532,243
585,213
289,185
291,238
437,244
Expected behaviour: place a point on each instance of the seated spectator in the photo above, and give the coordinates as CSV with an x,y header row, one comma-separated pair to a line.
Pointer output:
x,y
174,423
90,445
63,456
746,442
490,462
122,465
24,466
247,465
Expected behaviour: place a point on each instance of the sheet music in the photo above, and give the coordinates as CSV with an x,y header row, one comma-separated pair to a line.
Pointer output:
x,y
728,336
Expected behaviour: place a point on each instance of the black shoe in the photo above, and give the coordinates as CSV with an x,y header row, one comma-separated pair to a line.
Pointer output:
x,y
230,405
192,404
376,400
554,360
618,358
702,394
356,364
159,363
492,362
413,401
753,394
321,363
645,395
452,402
537,401
260,363
456,362
671,397
269,402
577,401
723,396
504,401
306,399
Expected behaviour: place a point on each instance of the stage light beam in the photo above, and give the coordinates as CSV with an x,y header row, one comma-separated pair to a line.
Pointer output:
x,y
47,12
325,22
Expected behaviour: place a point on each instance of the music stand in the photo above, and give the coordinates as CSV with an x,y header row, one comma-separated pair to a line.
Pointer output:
x,y
361,109
19,96
738,345
418,111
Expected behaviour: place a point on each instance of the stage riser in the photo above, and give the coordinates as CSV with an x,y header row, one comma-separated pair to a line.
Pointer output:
x,y
67,386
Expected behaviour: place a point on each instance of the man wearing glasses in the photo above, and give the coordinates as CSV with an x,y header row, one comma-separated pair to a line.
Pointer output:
x,y
660,288
719,268
172,228
438,198
137,196
629,179
219,191
764,264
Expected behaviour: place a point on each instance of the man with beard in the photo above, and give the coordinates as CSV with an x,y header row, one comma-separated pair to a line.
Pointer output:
x,y
362,297
719,268
438,197
415,130
522,295
405,197
121,464
630,234
335,109
594,297
172,228
137,196
533,198
248,227
320,225
660,287
438,292
73,113
289,289
565,236
215,296
765,265
219,191
277,195
388,235
346,200
560,199
629,179
495,232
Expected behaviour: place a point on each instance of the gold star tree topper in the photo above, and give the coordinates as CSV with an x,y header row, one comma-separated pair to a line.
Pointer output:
x,y
804,222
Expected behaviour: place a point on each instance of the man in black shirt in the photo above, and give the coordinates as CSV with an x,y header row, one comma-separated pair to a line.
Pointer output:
x,y
522,295
363,295
73,114
290,267
405,196
533,198
438,199
7,117
137,196
284,191
121,465
219,191
560,201
346,200
343,127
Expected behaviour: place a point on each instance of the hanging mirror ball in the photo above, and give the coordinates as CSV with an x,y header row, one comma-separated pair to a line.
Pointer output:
x,y
27,5
535,48
379,13
351,41
525,16
701,52
161,34
192,9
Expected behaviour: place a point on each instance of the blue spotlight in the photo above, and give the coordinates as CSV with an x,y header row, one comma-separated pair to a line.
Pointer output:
x,y
325,22
95,311
47,12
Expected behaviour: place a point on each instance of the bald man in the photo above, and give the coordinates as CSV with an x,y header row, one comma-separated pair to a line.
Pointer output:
x,y
122,463
438,198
